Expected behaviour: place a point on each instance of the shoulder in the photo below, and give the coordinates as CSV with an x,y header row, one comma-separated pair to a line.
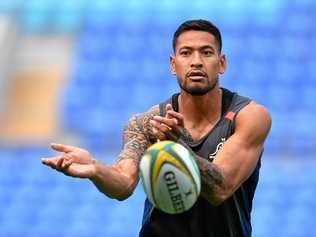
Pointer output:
x,y
254,121
144,117
253,109
154,109
140,122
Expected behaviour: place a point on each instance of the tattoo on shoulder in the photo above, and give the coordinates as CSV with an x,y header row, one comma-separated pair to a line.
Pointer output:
x,y
137,135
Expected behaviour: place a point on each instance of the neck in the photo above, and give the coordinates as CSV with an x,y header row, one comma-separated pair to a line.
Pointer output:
x,y
201,109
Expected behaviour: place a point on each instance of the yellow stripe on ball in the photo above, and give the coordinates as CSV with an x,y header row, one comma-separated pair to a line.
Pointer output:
x,y
165,157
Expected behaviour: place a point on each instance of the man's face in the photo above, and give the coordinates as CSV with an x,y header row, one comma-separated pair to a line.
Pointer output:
x,y
197,62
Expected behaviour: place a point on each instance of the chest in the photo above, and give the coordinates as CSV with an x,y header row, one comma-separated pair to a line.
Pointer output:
x,y
199,131
210,142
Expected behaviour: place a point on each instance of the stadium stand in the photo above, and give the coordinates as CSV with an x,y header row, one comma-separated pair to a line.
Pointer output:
x,y
120,67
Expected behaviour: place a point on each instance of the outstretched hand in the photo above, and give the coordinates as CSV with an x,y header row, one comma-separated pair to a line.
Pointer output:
x,y
73,161
170,127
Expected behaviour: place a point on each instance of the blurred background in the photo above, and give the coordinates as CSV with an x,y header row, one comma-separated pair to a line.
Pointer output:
x,y
74,71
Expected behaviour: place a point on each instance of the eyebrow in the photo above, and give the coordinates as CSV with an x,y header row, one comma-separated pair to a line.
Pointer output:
x,y
203,47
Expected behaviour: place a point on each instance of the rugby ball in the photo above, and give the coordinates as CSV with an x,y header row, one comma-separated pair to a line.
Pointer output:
x,y
170,177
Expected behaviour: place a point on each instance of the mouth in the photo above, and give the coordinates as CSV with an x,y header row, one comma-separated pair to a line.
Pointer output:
x,y
196,75
196,78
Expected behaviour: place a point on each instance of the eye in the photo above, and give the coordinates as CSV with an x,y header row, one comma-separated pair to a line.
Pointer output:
x,y
184,52
208,52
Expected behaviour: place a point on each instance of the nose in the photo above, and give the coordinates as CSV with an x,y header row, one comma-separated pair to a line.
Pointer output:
x,y
196,60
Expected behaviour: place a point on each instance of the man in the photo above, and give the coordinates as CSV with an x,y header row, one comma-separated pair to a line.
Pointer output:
x,y
224,131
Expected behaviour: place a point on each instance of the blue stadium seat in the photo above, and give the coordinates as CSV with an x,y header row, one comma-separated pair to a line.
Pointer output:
x,y
9,6
36,16
121,68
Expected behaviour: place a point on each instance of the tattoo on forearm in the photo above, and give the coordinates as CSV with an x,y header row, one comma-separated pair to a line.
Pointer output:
x,y
211,177
186,136
137,136
181,134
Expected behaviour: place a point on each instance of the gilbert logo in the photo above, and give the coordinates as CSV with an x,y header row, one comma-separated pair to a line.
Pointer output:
x,y
174,191
218,147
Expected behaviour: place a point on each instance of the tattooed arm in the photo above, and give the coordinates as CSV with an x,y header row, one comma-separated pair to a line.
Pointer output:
x,y
118,180
212,179
236,160
171,127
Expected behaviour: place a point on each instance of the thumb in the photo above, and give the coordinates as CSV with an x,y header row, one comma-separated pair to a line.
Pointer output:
x,y
61,147
169,107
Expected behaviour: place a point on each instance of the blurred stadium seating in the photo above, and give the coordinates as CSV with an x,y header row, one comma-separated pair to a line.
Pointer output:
x,y
120,67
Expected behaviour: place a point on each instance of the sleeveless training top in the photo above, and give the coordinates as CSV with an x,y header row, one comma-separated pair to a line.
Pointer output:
x,y
232,217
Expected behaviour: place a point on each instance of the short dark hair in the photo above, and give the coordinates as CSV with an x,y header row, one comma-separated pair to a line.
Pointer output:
x,y
199,25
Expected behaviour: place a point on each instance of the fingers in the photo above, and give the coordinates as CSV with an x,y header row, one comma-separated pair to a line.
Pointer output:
x,y
158,130
158,134
160,126
62,148
60,163
163,132
171,122
175,115
170,113
66,164
168,127
52,162
169,107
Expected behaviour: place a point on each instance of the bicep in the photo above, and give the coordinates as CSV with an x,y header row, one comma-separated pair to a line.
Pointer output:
x,y
240,154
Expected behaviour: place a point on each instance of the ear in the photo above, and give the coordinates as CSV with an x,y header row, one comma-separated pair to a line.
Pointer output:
x,y
172,64
222,64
